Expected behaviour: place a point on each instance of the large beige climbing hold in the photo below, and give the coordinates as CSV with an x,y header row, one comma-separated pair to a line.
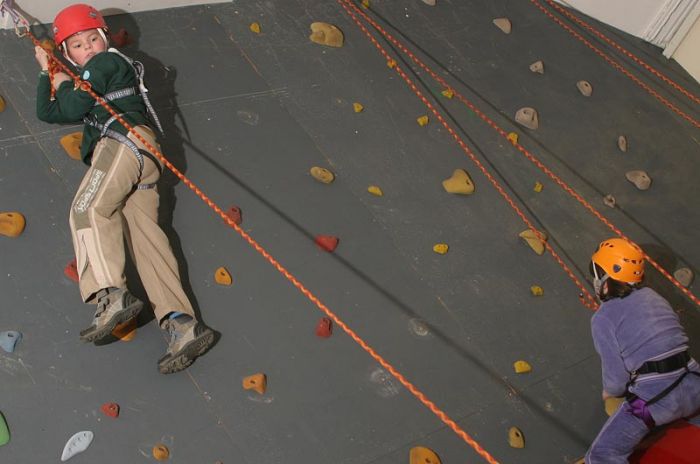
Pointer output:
x,y
622,143
528,117
516,438
522,367
459,183
612,403
503,24
640,179
422,455
537,67
223,277
684,276
322,174
585,88
256,382
71,144
11,224
2,104
326,34
535,242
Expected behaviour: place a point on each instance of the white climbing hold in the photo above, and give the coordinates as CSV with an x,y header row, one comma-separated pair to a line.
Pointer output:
x,y
585,88
429,2
640,179
528,117
77,444
537,67
684,275
503,24
9,340
622,143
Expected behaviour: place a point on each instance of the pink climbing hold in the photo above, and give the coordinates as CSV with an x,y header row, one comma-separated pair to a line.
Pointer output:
x,y
235,214
327,242
71,271
324,328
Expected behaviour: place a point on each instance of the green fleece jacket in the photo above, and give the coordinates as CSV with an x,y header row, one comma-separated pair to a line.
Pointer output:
x,y
106,72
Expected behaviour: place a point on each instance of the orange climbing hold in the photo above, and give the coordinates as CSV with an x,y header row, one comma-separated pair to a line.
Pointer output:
x,y
2,104
365,4
235,214
11,224
513,137
71,144
522,367
441,248
256,382
422,120
516,438
255,27
459,183
538,187
126,331
322,174
612,404
324,328
536,290
327,242
422,455
391,64
223,277
71,271
375,190
326,34
110,410
161,452
448,93
357,107
532,239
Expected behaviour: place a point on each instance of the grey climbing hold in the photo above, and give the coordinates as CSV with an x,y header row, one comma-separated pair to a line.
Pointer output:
x,y
528,117
503,24
684,275
640,179
77,444
9,339
585,88
609,201
419,327
622,143
537,67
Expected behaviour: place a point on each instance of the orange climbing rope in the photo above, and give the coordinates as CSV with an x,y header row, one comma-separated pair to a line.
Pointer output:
x,y
418,394
617,65
520,148
622,50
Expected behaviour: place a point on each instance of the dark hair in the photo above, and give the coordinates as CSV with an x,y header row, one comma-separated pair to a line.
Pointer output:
x,y
616,288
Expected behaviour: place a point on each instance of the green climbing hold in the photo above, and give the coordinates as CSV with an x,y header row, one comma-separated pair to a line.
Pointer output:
x,y
4,431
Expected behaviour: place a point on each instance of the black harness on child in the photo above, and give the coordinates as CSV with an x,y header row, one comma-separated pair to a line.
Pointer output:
x,y
663,366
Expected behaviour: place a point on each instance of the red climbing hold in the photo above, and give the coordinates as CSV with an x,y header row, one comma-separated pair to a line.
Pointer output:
x,y
234,213
110,409
324,328
327,242
71,271
121,38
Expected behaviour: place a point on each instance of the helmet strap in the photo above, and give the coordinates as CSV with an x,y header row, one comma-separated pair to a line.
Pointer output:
x,y
598,282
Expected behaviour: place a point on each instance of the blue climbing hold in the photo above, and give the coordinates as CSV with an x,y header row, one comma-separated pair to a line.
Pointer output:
x,y
9,339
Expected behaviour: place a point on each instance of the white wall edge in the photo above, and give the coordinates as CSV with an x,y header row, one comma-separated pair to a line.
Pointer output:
x,y
669,20
682,31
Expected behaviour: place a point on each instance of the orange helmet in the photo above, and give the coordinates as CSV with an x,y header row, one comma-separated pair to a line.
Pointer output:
x,y
621,260
76,18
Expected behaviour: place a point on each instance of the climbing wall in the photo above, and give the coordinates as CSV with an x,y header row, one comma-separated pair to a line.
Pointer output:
x,y
383,206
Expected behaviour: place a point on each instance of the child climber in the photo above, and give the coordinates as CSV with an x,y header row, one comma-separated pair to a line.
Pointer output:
x,y
117,201
643,351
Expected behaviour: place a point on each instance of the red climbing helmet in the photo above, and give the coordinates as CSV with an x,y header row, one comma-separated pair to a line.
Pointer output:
x,y
621,260
76,18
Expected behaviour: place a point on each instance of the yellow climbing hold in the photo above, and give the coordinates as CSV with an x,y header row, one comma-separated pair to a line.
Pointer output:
x,y
536,290
326,34
71,144
522,367
612,403
513,137
535,242
440,248
538,187
391,64
223,277
161,452
358,107
374,190
126,331
322,174
448,93
2,104
11,224
422,455
516,438
422,120
365,3
255,27
256,382
459,183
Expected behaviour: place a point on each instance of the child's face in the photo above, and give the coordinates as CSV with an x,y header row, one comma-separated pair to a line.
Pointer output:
x,y
82,46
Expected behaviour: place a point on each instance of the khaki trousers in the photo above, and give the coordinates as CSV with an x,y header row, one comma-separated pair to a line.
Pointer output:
x,y
108,210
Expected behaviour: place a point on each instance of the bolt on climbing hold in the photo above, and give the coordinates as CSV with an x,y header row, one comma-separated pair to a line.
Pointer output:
x,y
609,201
71,144
120,38
126,331
48,44
374,190
11,224
322,174
391,64
516,438
684,275
161,452
357,107
612,404
440,248
71,271
9,340
429,2
528,117
365,4
4,431
536,290
422,120
538,187
535,242
324,327
255,27
622,143
2,104
223,277
537,67
235,214
460,183
422,455
503,24
512,137
77,444
585,88
522,367
640,179
327,242
326,34
448,93
419,327
110,410
256,382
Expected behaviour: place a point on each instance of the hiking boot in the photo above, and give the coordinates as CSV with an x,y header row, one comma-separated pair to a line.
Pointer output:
x,y
189,339
114,306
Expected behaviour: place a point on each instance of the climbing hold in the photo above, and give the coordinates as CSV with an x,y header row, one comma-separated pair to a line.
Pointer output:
x,y
609,201
326,34
71,144
9,340
322,175
537,67
516,438
622,143
120,38
71,271
585,88
422,120
11,224
324,328
538,187
161,452
255,27
429,2
2,104
536,290
503,24
419,327
4,431
77,444
235,214
441,248
512,137
374,190
391,64
223,277
126,331
640,179
448,93
365,4
110,410
535,242
528,117
522,367
327,242
257,382
612,403
357,107
684,275
459,183
422,455
48,44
